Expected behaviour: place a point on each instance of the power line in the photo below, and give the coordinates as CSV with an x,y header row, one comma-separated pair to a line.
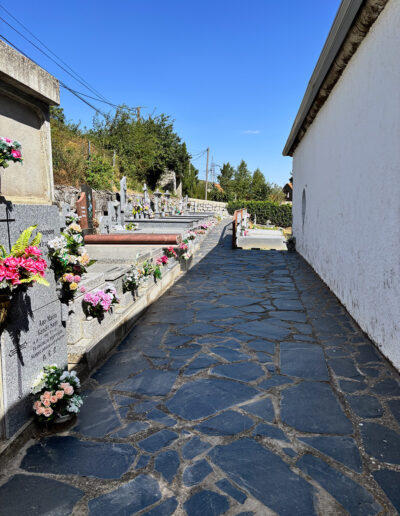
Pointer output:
x,y
82,82
198,156
49,49
61,83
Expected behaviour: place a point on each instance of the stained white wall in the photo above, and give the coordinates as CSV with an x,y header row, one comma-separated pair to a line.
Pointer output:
x,y
348,163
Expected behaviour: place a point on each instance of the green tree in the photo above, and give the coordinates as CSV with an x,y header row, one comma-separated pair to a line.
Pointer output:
x,y
275,194
225,179
216,194
242,181
259,188
146,147
190,181
200,191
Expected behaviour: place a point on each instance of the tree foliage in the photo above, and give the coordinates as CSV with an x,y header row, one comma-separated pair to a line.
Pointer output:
x,y
145,148
259,188
242,181
190,181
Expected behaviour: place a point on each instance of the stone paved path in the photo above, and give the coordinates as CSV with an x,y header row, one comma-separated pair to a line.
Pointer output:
x,y
245,390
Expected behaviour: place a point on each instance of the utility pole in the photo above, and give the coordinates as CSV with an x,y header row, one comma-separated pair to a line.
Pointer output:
x,y
208,155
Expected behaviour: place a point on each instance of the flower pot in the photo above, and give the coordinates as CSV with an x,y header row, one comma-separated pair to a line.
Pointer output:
x,y
4,306
58,420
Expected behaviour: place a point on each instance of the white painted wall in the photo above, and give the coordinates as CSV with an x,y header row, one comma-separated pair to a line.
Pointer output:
x,y
349,165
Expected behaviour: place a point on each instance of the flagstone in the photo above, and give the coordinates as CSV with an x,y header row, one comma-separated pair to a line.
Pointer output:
x,y
262,408
136,495
230,490
389,481
28,494
118,366
265,476
161,417
312,407
130,429
157,441
67,455
167,463
352,496
150,383
273,432
342,449
245,372
206,503
365,406
204,397
381,442
270,329
227,423
195,473
99,416
194,447
262,345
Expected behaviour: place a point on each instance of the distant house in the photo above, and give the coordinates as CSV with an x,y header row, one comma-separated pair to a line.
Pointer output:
x,y
345,143
288,191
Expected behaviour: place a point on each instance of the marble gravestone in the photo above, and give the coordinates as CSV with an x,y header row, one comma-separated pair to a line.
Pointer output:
x,y
122,193
86,208
33,335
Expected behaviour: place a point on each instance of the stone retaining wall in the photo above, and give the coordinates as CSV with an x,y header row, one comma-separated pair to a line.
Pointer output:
x,y
202,206
70,194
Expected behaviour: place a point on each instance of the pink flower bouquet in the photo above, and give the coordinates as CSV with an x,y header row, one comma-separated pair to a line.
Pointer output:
x,y
170,252
99,302
10,150
162,260
56,393
24,265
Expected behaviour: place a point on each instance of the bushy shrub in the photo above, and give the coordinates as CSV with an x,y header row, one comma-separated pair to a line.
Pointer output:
x,y
99,173
278,214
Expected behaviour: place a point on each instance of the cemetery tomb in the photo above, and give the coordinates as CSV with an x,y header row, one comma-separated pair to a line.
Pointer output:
x,y
33,334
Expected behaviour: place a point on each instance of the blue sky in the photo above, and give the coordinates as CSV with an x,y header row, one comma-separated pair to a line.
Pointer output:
x,y
231,73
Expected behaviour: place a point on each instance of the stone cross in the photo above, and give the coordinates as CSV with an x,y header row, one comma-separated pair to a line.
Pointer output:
x,y
157,197
185,204
104,225
122,193
112,218
129,207
167,196
120,216
180,205
146,197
